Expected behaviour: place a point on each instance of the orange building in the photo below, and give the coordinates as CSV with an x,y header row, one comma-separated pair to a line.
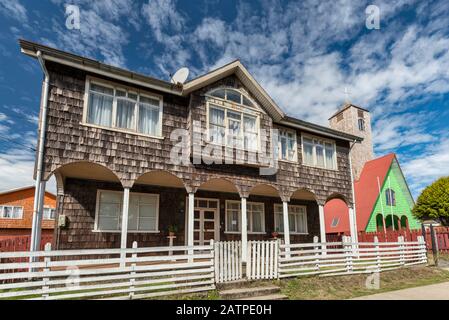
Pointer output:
x,y
16,212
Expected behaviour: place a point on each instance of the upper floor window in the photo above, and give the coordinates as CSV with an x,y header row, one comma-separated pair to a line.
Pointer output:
x,y
49,213
319,152
11,212
361,123
232,95
390,197
287,145
234,128
123,109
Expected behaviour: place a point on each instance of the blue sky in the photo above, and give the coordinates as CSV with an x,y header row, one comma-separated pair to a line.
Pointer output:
x,y
304,53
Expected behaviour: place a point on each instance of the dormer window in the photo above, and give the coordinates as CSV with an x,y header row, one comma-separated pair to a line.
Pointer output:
x,y
231,122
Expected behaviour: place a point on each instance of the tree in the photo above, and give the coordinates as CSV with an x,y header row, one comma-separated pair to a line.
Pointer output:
x,y
433,202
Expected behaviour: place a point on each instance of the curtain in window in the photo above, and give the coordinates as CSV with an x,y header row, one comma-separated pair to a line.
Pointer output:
x,y
232,216
234,126
319,150
250,133
148,213
329,155
109,211
149,119
217,125
292,222
125,114
100,109
308,152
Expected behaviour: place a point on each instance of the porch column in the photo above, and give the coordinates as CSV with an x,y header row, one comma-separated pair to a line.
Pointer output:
x,y
286,227
124,224
322,227
352,230
190,218
244,231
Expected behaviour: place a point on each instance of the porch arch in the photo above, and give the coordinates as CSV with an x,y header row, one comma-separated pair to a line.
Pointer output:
x,y
84,170
264,189
161,178
303,194
219,184
338,196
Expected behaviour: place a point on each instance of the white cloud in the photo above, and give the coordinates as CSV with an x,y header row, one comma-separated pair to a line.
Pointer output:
x,y
13,9
428,166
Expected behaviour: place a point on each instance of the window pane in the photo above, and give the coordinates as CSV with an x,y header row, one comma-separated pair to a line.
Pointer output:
x,y
220,93
217,134
292,222
330,153
7,212
109,211
249,124
133,213
100,109
149,119
233,220
247,102
17,212
319,155
125,114
150,101
308,154
251,141
101,89
216,116
257,222
234,96
280,222
283,147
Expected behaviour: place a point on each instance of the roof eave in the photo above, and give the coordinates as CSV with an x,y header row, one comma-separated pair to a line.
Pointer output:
x,y
50,54
311,127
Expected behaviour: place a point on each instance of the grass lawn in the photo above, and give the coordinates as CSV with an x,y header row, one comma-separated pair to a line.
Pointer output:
x,y
346,287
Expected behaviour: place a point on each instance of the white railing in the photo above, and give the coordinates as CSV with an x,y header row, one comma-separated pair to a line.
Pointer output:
x,y
228,261
262,260
346,257
106,273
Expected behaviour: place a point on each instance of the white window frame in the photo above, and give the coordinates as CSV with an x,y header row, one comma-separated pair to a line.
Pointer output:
x,y
249,218
49,208
283,132
2,212
278,206
114,86
97,208
324,141
244,111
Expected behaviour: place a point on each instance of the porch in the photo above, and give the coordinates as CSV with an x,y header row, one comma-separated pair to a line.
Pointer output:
x,y
103,213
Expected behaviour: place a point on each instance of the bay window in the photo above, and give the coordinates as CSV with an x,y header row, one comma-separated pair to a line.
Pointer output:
x,y
319,152
143,212
123,109
255,216
297,219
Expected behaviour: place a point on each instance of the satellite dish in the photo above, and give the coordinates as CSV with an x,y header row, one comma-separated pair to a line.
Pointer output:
x,y
180,76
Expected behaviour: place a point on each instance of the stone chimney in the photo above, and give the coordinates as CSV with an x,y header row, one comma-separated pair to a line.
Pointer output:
x,y
356,121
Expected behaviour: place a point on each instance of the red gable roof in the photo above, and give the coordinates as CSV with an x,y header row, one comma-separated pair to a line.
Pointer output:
x,y
366,192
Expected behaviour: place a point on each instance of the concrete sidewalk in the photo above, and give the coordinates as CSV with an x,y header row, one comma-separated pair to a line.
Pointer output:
x,y
439,291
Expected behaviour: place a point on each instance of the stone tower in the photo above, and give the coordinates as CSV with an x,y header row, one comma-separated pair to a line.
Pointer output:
x,y
356,121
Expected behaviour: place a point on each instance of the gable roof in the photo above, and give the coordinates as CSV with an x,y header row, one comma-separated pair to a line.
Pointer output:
x,y
366,189
22,189
236,67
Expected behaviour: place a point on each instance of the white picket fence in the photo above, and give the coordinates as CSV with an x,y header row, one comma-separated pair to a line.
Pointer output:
x,y
262,260
106,273
137,273
340,258
228,261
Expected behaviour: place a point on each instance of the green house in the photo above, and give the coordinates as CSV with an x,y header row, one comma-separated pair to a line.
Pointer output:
x,y
383,199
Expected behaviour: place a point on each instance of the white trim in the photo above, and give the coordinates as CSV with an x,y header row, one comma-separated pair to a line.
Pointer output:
x,y
295,147
13,207
216,220
115,86
324,140
97,207
250,218
280,205
243,112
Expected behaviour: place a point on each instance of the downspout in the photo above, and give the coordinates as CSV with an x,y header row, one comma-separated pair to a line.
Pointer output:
x,y
37,213
353,194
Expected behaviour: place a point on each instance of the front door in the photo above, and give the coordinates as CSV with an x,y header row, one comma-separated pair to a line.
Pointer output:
x,y
205,221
